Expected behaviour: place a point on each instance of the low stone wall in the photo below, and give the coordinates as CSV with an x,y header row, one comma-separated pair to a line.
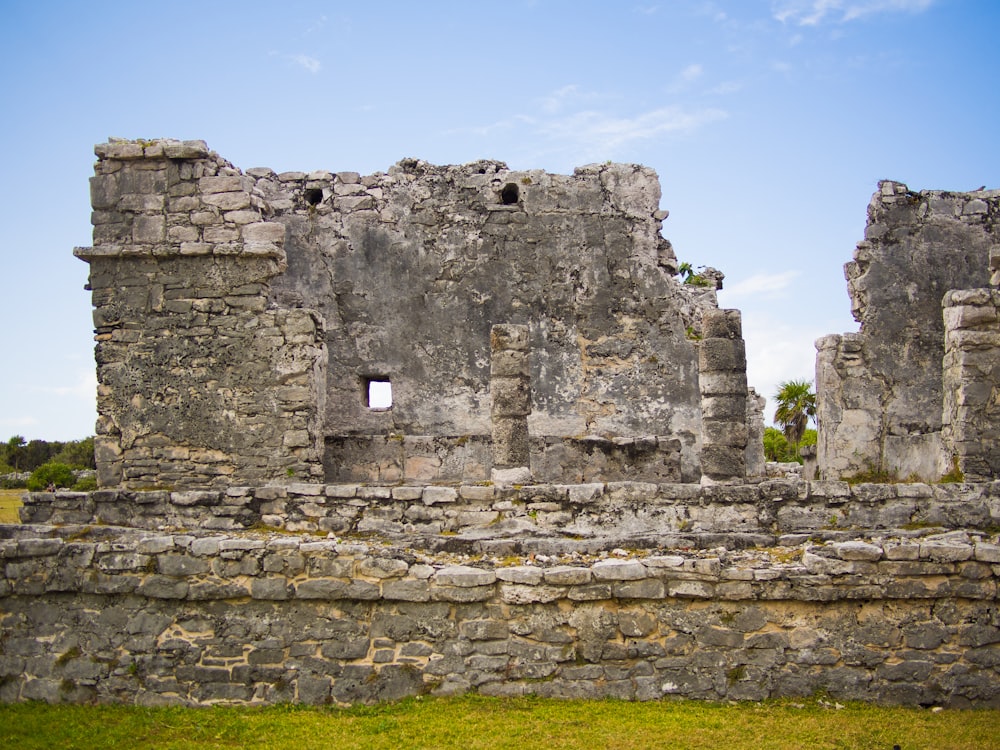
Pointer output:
x,y
544,517
392,459
106,614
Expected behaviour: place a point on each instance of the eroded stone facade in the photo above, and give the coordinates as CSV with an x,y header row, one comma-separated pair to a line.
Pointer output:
x,y
241,319
880,392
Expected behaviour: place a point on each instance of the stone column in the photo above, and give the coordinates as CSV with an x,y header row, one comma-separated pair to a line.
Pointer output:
x,y
755,434
510,390
722,376
971,380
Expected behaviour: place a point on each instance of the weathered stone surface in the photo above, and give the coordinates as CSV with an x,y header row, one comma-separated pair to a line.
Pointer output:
x,y
881,393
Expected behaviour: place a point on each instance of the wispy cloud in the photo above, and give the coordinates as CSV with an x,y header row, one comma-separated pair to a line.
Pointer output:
x,y
9,424
566,97
589,126
309,63
598,129
815,12
685,78
725,88
766,285
84,387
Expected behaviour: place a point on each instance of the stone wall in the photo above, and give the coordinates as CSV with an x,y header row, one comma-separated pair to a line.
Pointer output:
x,y
202,382
391,459
545,517
412,268
879,391
242,317
189,618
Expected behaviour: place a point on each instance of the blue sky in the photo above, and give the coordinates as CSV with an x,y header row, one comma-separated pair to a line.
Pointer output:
x,y
769,123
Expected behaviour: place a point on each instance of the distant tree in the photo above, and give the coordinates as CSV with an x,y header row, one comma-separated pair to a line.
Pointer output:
x,y
38,452
796,405
76,453
14,451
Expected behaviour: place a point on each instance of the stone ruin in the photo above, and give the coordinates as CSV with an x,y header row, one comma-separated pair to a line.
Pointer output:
x,y
242,318
913,395
566,494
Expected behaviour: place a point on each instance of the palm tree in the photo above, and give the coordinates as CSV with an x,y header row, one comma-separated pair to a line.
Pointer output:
x,y
796,406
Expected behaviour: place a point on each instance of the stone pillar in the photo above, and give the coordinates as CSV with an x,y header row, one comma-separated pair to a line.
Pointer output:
x,y
722,376
755,434
510,388
971,379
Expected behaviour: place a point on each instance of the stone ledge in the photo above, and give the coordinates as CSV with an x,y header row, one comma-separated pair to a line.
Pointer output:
x,y
175,565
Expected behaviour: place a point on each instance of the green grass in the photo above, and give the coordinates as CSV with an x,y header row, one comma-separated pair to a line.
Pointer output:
x,y
473,722
10,501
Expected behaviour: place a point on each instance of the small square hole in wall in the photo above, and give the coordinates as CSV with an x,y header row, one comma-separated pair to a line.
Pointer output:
x,y
378,393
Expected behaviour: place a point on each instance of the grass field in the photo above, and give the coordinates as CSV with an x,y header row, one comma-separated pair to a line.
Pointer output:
x,y
10,501
473,722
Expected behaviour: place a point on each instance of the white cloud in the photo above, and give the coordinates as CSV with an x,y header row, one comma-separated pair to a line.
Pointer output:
x,y
597,129
778,349
685,78
13,424
309,63
692,72
582,126
815,12
725,88
84,387
766,285
558,99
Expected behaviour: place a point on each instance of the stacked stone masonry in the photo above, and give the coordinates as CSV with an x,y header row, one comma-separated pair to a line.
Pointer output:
x,y
972,381
195,618
201,381
545,517
510,389
722,367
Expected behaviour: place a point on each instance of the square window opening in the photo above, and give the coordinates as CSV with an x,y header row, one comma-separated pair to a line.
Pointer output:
x,y
378,393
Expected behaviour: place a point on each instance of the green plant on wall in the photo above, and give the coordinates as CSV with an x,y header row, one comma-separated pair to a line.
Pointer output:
x,y
690,276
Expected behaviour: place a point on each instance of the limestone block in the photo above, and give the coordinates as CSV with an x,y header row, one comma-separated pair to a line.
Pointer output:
x,y
509,336
510,441
264,232
509,363
227,201
619,570
722,355
149,229
463,576
511,397
185,149
722,383
523,574
719,432
722,324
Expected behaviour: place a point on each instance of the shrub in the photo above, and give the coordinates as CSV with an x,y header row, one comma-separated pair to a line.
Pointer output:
x,y
56,474
85,484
